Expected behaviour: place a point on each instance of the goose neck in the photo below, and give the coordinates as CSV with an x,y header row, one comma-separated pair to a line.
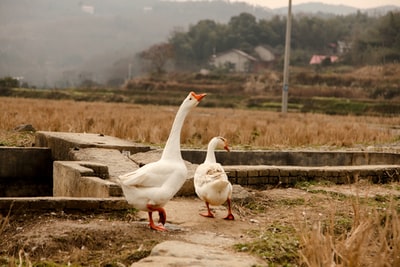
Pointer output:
x,y
210,157
173,146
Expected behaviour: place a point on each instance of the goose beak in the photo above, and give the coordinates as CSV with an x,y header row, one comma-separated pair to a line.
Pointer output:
x,y
226,147
198,97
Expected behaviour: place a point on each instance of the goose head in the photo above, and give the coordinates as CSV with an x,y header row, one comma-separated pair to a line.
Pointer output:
x,y
224,143
192,100
220,141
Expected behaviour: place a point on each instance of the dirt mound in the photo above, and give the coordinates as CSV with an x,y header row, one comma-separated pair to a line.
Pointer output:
x,y
80,239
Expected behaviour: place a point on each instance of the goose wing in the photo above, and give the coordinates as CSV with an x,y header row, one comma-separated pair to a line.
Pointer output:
x,y
209,172
150,175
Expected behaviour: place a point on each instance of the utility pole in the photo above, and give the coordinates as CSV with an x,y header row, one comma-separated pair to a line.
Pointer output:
x,y
285,88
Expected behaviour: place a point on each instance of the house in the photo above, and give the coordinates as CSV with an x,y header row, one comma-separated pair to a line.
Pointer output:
x,y
318,59
239,61
339,47
234,60
343,47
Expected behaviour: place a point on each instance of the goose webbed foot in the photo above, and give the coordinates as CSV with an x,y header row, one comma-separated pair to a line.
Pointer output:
x,y
163,217
209,213
230,215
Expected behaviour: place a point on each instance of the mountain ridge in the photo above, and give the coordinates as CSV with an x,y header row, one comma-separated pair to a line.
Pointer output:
x,y
47,41
336,9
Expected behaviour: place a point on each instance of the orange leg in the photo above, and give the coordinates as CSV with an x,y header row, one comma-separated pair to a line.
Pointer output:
x,y
163,217
209,213
230,215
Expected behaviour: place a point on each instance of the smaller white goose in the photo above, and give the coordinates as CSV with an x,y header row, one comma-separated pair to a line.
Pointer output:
x,y
211,182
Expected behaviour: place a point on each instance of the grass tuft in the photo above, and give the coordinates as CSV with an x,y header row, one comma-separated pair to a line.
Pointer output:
x,y
372,240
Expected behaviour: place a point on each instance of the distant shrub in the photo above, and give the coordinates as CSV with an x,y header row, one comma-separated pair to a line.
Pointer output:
x,y
5,91
9,82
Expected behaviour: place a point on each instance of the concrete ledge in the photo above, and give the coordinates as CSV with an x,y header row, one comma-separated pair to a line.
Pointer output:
x,y
86,165
82,179
116,162
61,143
56,204
295,158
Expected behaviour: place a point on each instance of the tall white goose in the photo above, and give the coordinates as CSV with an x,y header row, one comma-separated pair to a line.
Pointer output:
x,y
150,187
211,182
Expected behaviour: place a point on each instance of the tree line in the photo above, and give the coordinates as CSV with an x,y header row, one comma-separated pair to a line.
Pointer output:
x,y
371,39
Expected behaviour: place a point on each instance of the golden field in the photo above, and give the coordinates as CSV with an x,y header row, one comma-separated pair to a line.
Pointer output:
x,y
150,124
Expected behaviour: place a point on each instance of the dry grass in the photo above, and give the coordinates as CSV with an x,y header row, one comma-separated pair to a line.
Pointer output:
x,y
373,240
151,124
323,224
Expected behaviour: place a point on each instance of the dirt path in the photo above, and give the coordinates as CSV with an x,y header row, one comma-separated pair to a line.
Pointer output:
x,y
87,240
120,239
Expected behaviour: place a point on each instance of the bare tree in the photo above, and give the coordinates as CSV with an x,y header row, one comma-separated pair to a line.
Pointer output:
x,y
158,55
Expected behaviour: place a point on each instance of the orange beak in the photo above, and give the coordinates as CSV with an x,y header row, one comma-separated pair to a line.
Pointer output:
x,y
226,147
198,97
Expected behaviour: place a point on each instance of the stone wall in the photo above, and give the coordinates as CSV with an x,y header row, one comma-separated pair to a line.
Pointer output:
x,y
262,175
26,172
295,158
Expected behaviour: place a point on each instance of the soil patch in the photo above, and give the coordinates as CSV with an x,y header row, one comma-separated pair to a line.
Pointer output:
x,y
122,238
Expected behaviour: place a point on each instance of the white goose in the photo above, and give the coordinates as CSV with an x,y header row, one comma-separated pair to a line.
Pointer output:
x,y
150,187
211,182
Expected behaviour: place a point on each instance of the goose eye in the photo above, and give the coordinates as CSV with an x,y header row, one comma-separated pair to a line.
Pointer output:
x,y
190,98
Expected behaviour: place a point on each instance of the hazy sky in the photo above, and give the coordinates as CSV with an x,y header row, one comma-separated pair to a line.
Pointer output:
x,y
354,3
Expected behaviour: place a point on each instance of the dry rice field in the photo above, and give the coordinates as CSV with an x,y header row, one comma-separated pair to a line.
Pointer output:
x,y
245,129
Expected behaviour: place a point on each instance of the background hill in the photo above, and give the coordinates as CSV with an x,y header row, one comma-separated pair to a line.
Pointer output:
x,y
324,9
61,43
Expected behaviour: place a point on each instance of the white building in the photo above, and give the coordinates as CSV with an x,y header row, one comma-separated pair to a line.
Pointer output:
x,y
234,60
